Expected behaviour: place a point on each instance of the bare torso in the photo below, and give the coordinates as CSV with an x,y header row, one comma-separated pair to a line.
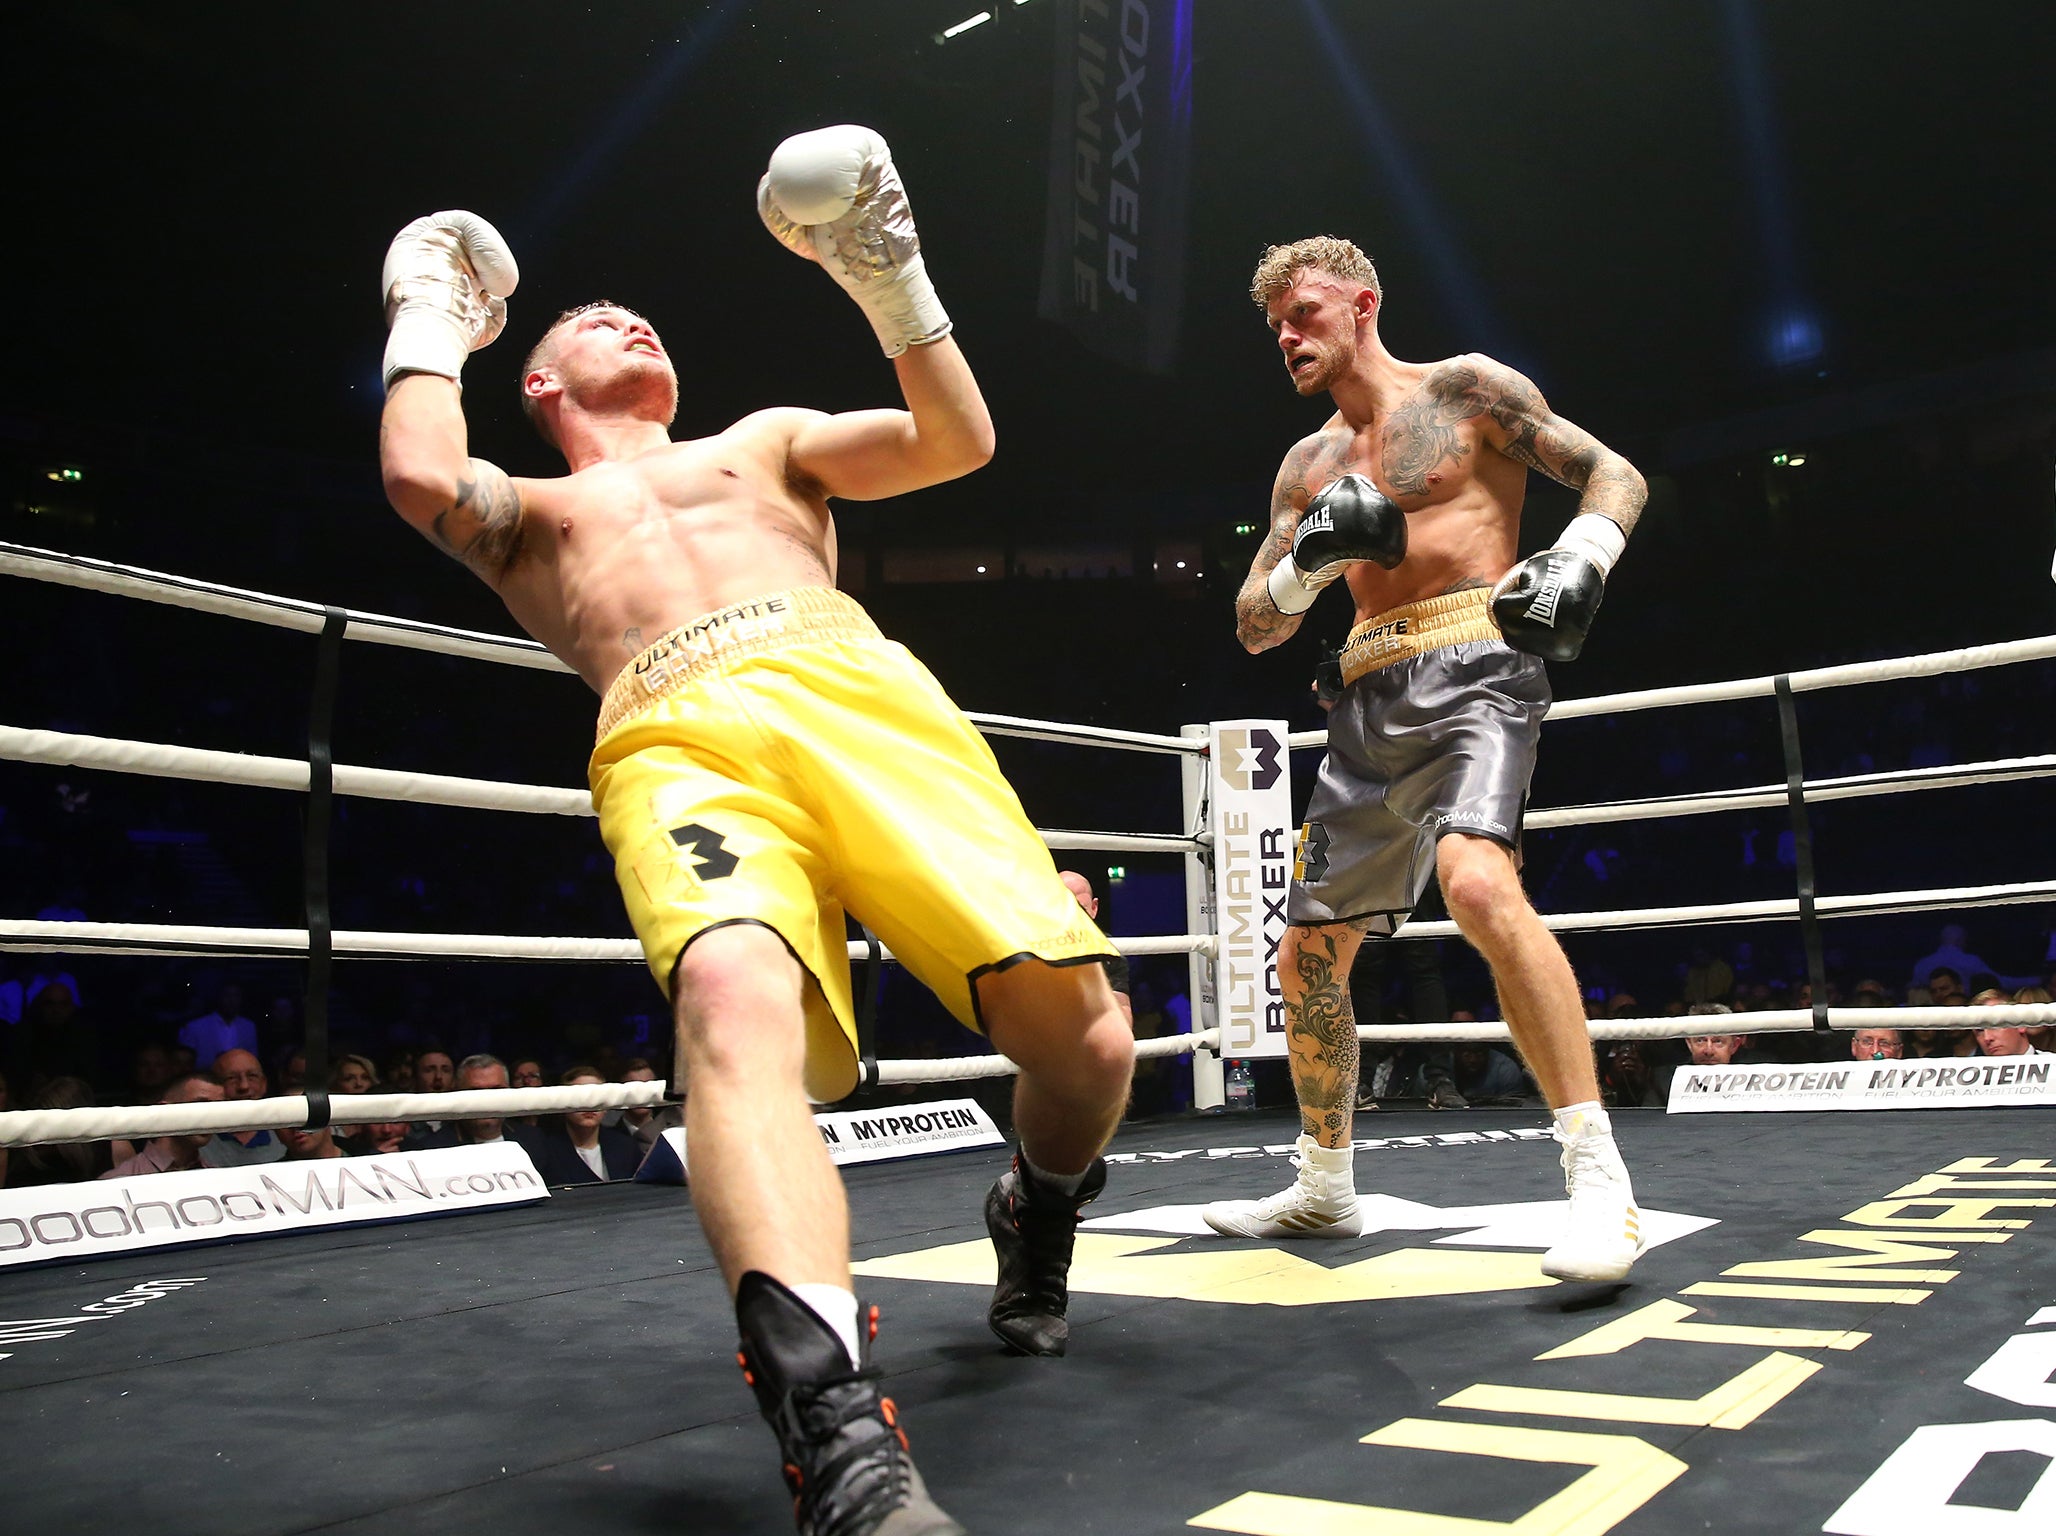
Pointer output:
x,y
1429,453
613,556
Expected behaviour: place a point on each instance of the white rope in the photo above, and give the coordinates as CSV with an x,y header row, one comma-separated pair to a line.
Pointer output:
x,y
138,1122
57,938
1853,787
263,608
1771,1021
1085,735
1874,904
1933,663
957,1069
162,760
382,629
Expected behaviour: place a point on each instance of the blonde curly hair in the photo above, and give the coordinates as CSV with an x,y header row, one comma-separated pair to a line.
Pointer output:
x,y
1282,264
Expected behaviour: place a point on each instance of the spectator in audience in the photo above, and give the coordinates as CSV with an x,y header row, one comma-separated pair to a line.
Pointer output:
x,y
1625,1078
1716,1050
1482,1072
225,1029
58,1038
352,1074
1921,1044
526,1072
485,1071
292,1070
1876,1045
643,1124
398,1072
149,1074
2041,1036
70,1162
1708,978
1949,955
171,1154
1870,993
580,1150
2002,1040
1945,988
1116,965
183,1062
241,1076
369,1140
434,1072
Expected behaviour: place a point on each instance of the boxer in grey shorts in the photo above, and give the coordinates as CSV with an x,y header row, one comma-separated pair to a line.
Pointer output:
x,y
1410,496
1436,743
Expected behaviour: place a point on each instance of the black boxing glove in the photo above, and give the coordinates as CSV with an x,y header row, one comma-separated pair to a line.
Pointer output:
x,y
1350,520
1546,604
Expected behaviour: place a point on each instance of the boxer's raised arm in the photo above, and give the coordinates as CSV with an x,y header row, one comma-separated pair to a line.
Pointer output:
x,y
945,432
445,282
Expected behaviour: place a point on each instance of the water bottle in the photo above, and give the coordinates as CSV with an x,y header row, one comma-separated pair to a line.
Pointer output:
x,y
1239,1085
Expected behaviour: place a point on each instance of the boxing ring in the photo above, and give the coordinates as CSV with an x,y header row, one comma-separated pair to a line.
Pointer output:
x,y
537,1366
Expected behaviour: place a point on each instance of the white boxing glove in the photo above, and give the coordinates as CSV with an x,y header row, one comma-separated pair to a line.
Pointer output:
x,y
447,277
833,196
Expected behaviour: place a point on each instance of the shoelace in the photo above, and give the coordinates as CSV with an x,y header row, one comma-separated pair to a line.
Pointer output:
x,y
818,1414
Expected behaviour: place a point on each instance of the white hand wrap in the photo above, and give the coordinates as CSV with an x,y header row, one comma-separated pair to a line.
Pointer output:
x,y
446,281
834,196
1294,590
1598,539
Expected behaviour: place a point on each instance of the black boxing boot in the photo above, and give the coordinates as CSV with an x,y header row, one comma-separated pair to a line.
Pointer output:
x,y
846,1458
1033,1226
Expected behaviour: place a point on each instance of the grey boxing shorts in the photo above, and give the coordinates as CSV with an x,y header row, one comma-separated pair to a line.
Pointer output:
x,y
1435,732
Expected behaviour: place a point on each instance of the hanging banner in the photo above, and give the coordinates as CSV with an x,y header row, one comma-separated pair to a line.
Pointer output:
x,y
1250,814
1113,263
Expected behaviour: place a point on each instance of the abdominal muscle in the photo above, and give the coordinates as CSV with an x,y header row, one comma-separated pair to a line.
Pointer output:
x,y
598,582
1450,546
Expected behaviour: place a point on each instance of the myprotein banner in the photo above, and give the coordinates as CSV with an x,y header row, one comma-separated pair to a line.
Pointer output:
x,y
1113,263
1955,1082
69,1222
862,1136
1250,815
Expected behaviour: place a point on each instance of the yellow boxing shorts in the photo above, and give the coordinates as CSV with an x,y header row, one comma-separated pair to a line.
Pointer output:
x,y
780,762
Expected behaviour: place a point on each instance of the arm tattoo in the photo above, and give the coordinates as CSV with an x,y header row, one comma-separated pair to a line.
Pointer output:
x,y
1542,440
1258,623
1321,1034
482,527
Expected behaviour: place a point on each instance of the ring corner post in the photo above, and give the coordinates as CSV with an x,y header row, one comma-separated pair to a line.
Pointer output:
x,y
1209,1088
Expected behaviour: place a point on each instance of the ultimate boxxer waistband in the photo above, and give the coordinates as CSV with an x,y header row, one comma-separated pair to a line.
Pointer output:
x,y
1413,629
714,640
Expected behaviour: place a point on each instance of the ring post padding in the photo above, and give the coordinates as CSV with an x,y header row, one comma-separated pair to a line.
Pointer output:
x,y
1802,851
1209,1085
1249,812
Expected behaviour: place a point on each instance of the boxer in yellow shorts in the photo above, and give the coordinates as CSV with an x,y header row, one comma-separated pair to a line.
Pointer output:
x,y
767,760
779,761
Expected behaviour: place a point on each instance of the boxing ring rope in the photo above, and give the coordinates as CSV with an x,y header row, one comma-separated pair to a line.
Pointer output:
x,y
1932,664
1771,1021
163,759
105,576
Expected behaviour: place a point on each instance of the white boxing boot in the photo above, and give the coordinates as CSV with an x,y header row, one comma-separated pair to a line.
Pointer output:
x,y
1321,1202
1603,1236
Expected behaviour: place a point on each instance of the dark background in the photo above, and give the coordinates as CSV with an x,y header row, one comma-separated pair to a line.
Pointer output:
x,y
1632,202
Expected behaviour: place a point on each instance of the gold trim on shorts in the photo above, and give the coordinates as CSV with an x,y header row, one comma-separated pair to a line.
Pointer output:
x,y
719,639
1414,629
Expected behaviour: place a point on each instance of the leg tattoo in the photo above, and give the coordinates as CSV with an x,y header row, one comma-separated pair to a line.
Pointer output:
x,y
1321,1032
